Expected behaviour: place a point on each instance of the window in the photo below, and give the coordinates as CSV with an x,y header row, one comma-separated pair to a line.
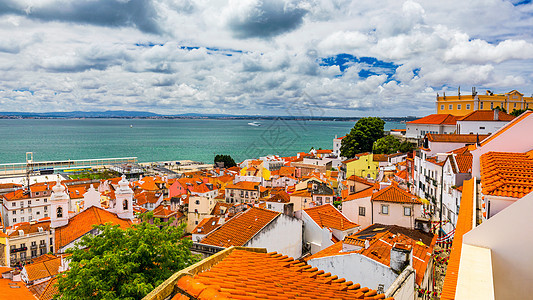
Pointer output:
x,y
59,212
384,209
515,105
46,208
468,106
269,206
14,212
458,106
442,107
195,222
13,204
197,201
46,215
22,219
492,105
362,210
29,202
36,193
38,212
45,200
450,107
125,205
481,127
481,105
406,211
14,220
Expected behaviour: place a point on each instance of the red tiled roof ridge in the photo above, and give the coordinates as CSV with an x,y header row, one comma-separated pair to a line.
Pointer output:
x,y
445,119
306,281
486,115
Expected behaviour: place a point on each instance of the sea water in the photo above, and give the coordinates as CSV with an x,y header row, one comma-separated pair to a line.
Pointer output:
x,y
164,139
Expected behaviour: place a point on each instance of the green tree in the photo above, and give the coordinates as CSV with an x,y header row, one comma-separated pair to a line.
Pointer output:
x,y
124,263
361,137
500,108
406,147
226,159
517,112
387,145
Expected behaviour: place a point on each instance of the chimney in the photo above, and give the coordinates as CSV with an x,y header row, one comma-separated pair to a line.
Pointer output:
x,y
496,114
400,256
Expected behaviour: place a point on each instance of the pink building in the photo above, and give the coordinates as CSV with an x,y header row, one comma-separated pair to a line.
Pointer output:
x,y
391,206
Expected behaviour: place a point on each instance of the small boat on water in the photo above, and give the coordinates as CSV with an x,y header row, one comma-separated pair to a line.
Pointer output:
x,y
254,124
131,126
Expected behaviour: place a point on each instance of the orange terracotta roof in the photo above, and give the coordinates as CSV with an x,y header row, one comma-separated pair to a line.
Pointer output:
x,y
464,162
507,126
360,180
403,174
456,138
14,290
357,156
462,150
487,115
225,178
28,227
83,222
434,161
43,269
281,197
395,194
301,193
43,257
50,290
220,206
147,197
506,174
16,195
165,212
328,216
381,238
207,225
324,151
380,157
241,228
464,225
244,185
268,276
38,289
436,119
201,188
361,194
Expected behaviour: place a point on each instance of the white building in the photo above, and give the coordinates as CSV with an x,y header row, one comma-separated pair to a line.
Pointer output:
x,y
483,122
435,124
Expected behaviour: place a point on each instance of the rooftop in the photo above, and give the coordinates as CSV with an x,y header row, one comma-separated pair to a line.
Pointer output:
x,y
206,225
43,269
381,238
464,225
266,276
243,185
506,174
456,138
83,222
395,194
487,115
436,119
241,228
328,216
14,290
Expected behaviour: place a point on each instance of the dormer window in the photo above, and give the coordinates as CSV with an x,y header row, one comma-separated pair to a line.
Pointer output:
x,y
125,205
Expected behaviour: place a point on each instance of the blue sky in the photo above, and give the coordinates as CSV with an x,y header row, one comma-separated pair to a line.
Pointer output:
x,y
341,57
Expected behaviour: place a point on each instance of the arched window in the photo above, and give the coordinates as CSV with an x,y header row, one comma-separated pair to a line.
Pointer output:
x,y
125,205
60,212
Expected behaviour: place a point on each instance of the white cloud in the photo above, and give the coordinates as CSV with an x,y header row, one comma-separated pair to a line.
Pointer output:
x,y
257,57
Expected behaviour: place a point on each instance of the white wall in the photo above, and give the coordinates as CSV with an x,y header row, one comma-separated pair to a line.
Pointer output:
x,y
481,127
396,214
508,236
403,288
357,268
283,235
351,210
320,238
419,130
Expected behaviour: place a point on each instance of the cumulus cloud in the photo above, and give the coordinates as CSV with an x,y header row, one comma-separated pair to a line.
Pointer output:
x,y
259,18
344,57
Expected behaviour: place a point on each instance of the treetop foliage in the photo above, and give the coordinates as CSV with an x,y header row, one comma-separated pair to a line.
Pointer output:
x,y
226,159
125,263
362,136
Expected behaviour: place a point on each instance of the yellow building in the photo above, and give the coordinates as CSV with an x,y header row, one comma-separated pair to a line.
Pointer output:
x,y
362,165
462,105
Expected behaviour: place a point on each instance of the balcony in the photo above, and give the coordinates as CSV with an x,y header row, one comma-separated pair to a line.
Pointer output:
x,y
42,245
33,247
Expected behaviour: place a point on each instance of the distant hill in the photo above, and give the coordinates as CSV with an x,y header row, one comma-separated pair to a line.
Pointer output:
x,y
83,114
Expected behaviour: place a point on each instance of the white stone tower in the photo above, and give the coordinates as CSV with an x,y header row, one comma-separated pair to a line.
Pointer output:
x,y
124,200
59,202
91,198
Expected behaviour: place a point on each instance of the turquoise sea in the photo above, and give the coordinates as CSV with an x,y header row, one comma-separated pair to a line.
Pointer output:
x,y
163,140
